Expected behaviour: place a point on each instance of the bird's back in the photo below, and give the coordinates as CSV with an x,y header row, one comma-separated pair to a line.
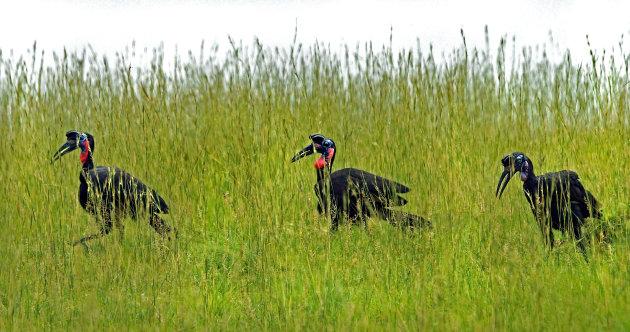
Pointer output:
x,y
382,191
566,186
119,187
373,181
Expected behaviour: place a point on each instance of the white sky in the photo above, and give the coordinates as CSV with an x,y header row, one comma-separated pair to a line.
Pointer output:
x,y
109,26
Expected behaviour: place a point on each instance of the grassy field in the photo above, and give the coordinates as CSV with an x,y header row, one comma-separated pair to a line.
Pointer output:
x,y
214,132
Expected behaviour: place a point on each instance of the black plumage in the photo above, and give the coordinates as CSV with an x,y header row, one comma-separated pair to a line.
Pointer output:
x,y
558,200
110,194
354,194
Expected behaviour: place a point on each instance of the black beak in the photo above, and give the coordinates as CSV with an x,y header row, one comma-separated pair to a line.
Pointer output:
x,y
507,173
303,153
67,147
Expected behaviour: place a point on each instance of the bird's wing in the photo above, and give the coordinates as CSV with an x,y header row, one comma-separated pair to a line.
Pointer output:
x,y
583,198
119,181
377,183
144,192
99,178
568,182
381,190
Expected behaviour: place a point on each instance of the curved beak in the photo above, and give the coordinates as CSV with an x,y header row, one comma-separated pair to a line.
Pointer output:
x,y
508,173
67,147
303,153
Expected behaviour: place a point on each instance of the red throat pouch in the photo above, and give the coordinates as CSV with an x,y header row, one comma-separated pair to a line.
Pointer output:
x,y
523,176
319,163
85,152
331,153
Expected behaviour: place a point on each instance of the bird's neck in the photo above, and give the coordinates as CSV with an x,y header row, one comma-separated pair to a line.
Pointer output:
x,y
86,159
323,173
531,183
320,174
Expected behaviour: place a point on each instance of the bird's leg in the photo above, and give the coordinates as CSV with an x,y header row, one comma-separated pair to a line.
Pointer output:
x,y
577,235
106,227
360,212
550,237
577,219
334,217
354,214
583,249
160,225
356,219
547,232
334,224
119,221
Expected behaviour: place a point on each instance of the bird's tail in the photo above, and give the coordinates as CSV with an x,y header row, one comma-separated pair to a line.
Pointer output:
x,y
405,219
153,202
161,203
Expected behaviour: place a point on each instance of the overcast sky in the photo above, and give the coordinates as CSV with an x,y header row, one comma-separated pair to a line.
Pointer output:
x,y
110,25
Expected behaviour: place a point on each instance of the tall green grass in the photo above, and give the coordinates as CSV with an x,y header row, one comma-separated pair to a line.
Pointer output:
x,y
214,132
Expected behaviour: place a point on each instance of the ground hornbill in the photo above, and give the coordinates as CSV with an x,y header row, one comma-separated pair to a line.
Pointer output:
x,y
110,193
355,194
558,199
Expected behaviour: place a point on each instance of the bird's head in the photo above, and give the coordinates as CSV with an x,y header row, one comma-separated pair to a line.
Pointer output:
x,y
512,163
76,139
324,146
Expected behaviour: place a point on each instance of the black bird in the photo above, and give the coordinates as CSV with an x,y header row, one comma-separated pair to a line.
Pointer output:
x,y
354,194
558,199
109,193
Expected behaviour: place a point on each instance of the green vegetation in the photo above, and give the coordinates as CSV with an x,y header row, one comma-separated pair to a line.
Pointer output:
x,y
214,132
